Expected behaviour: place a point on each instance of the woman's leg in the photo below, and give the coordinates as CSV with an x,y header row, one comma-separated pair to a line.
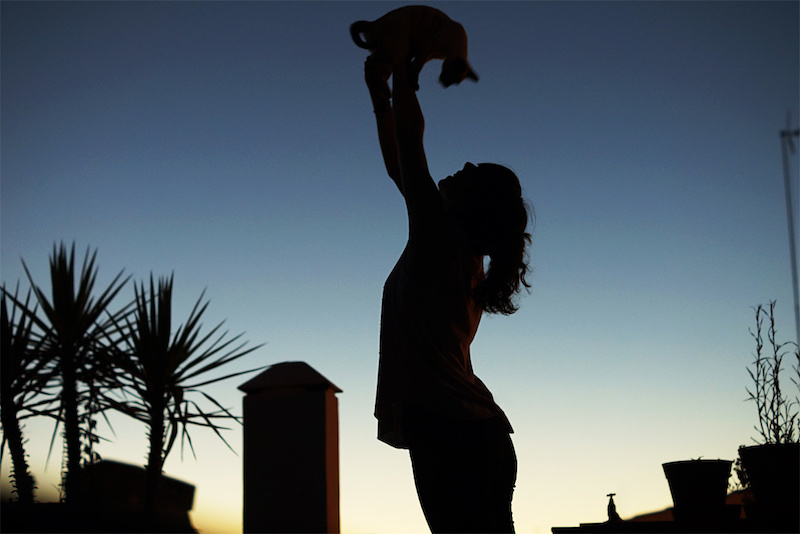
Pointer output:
x,y
500,476
464,472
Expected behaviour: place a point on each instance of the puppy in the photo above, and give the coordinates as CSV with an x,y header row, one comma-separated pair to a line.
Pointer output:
x,y
421,33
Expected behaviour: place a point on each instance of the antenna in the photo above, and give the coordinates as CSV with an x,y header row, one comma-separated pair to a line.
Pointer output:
x,y
787,145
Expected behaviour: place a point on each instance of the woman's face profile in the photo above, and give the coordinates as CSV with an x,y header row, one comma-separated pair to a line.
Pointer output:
x,y
459,189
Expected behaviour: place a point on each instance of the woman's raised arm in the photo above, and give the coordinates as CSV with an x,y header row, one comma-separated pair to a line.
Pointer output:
x,y
429,239
422,196
376,74
400,132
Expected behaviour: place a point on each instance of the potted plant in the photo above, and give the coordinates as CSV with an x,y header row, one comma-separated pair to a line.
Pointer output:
x,y
698,489
772,466
71,357
72,325
53,365
162,368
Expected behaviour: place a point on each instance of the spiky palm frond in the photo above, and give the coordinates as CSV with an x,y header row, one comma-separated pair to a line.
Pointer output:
x,y
24,375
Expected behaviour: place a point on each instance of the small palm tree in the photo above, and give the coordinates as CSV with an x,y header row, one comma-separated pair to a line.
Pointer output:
x,y
22,379
163,368
73,329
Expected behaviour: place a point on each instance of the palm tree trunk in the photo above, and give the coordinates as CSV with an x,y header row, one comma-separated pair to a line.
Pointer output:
x,y
23,480
72,434
155,460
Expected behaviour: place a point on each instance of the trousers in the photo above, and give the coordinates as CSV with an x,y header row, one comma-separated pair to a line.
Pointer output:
x,y
464,471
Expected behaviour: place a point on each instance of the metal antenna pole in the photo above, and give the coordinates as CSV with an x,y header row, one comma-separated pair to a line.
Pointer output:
x,y
786,145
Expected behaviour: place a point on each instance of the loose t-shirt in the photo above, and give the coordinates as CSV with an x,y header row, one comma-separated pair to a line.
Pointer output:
x,y
427,325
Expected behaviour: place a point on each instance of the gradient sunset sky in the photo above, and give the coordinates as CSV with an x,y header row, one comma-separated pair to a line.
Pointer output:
x,y
233,143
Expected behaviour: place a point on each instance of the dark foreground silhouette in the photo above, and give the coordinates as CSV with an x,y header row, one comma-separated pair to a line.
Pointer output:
x,y
429,401
116,505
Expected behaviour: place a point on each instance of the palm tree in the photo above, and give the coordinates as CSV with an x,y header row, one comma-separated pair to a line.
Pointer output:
x,y
73,329
162,369
22,379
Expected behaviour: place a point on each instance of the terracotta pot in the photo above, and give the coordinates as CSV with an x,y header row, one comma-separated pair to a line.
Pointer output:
x,y
773,471
699,489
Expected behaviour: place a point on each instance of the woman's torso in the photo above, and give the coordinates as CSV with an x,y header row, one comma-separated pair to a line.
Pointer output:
x,y
428,322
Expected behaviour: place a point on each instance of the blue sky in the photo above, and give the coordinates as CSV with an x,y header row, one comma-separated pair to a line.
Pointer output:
x,y
233,144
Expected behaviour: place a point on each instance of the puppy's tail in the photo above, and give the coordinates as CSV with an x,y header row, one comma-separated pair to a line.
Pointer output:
x,y
358,28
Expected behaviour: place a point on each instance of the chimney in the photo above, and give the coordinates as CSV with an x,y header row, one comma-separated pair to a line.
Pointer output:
x,y
291,451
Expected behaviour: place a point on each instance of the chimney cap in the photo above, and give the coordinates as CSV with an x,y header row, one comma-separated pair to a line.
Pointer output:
x,y
288,375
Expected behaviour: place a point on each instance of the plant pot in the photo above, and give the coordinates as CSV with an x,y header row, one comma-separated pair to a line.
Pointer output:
x,y
699,489
773,471
116,494
111,500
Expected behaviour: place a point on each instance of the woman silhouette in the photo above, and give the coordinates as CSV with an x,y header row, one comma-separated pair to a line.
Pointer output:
x,y
428,398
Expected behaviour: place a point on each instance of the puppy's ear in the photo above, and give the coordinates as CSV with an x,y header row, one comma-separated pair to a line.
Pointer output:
x,y
471,75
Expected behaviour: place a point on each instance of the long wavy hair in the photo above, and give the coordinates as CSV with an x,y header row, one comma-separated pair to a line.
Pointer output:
x,y
497,228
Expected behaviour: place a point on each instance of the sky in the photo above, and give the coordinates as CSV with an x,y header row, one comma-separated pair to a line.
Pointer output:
x,y
233,144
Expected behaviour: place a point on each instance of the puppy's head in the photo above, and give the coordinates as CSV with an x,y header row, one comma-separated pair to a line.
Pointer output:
x,y
456,70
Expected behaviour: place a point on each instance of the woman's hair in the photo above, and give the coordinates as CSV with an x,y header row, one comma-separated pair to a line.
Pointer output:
x,y
497,228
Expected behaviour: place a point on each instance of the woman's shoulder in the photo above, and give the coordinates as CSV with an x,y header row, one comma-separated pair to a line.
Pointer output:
x,y
443,257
